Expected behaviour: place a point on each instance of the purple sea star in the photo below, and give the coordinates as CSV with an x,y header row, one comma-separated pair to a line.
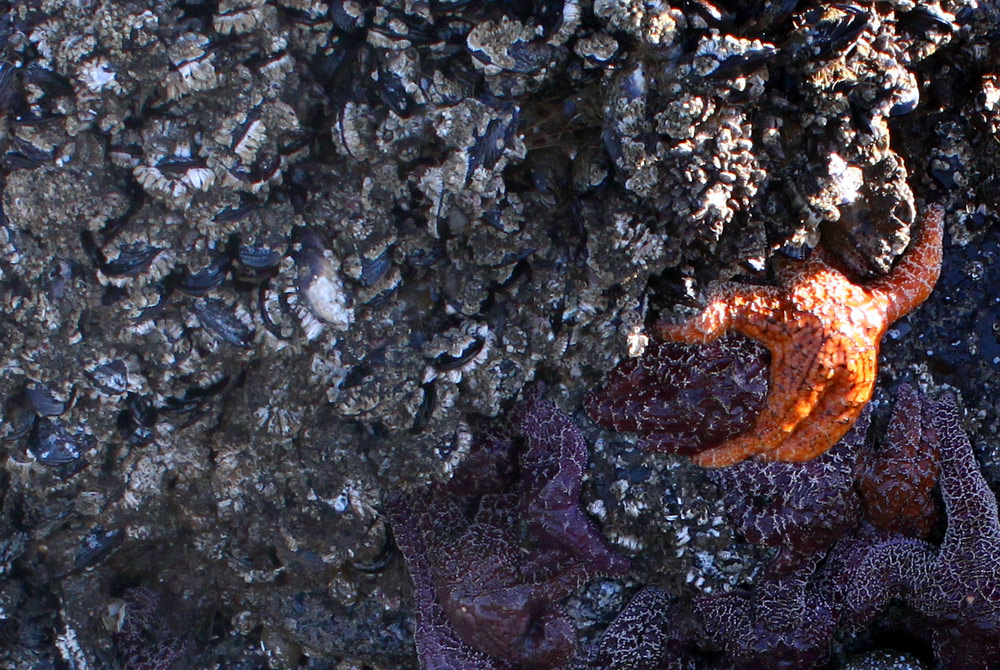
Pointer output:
x,y
783,623
684,398
896,481
959,590
955,589
552,464
645,636
439,646
868,568
486,599
144,640
801,507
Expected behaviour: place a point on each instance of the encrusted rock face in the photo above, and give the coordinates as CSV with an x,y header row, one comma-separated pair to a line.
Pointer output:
x,y
263,263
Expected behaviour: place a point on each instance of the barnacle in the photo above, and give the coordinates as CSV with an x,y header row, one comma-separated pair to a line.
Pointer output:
x,y
193,68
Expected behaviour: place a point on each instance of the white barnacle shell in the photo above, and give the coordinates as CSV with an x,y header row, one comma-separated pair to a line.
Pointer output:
x,y
248,137
490,41
193,68
193,75
597,49
154,180
571,16
176,176
714,49
314,8
847,179
151,178
653,21
97,75
353,129
276,68
459,352
200,178
239,19
321,297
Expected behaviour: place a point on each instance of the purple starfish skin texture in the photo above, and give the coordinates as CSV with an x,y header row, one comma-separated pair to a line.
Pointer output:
x,y
684,398
896,481
801,507
484,601
959,590
552,464
486,598
868,568
438,645
145,642
955,589
644,636
783,623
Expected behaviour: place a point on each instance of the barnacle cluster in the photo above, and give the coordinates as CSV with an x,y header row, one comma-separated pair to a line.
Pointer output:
x,y
263,262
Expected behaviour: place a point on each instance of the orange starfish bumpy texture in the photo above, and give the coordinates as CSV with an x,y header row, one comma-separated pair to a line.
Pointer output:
x,y
824,333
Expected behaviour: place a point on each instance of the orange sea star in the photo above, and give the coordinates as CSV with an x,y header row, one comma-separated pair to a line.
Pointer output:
x,y
824,333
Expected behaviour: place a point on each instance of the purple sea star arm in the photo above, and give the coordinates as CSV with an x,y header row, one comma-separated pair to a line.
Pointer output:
x,y
968,498
642,636
960,594
145,640
896,481
552,466
438,646
801,507
782,623
865,570
685,398
486,596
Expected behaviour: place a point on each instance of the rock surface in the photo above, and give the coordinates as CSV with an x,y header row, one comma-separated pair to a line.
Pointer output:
x,y
264,263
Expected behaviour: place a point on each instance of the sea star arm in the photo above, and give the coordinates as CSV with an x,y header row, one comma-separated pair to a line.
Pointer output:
x,y
913,278
960,592
969,501
741,307
842,401
798,383
823,332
